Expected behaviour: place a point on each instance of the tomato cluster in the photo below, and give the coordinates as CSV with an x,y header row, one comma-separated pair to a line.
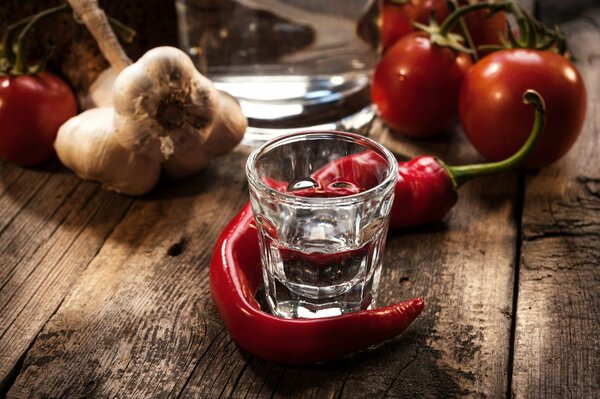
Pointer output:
x,y
423,82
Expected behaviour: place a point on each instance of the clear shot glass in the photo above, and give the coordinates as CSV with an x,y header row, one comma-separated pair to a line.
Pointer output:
x,y
321,201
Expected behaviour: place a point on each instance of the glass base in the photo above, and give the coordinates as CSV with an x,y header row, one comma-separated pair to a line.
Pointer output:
x,y
278,105
306,310
355,123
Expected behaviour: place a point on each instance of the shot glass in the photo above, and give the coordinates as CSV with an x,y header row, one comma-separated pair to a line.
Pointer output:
x,y
321,201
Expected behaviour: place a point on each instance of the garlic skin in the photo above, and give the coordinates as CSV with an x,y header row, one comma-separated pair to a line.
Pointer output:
x,y
226,133
87,144
100,93
163,105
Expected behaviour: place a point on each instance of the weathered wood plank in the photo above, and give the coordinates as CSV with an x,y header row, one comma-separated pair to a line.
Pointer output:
x,y
53,226
17,186
137,321
557,345
140,322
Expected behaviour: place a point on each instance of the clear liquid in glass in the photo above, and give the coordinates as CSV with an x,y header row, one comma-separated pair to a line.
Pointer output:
x,y
322,262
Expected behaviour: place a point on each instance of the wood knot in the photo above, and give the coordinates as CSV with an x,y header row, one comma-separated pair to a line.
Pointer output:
x,y
592,185
177,248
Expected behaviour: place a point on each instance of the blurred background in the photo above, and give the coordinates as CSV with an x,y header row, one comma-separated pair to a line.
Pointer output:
x,y
76,57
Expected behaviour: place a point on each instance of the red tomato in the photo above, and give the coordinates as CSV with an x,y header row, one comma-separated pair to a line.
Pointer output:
x,y
32,108
416,85
498,123
397,19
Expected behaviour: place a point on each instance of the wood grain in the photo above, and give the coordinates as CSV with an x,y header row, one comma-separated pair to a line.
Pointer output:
x,y
557,346
137,321
52,225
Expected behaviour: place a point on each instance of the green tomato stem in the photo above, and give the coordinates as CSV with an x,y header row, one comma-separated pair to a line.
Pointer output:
x,y
7,37
464,30
524,27
125,32
24,27
398,2
456,15
462,174
20,67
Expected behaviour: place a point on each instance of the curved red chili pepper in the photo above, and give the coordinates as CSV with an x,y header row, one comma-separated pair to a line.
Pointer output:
x,y
425,192
235,275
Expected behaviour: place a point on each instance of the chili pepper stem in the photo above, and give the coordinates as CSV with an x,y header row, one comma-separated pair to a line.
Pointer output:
x,y
462,174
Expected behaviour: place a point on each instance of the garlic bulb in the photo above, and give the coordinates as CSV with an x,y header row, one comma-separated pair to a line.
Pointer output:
x,y
227,131
164,111
163,105
87,144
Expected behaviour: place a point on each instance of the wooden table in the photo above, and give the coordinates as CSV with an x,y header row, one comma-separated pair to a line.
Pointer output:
x,y
104,295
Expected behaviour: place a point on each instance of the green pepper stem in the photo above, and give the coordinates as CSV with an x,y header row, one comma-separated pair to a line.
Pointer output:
x,y
463,174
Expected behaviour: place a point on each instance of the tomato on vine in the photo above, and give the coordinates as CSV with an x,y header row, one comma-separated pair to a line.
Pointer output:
x,y
490,109
416,84
492,114
398,18
33,103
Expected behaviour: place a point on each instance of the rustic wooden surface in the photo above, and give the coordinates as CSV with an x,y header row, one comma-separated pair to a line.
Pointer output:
x,y
557,340
105,296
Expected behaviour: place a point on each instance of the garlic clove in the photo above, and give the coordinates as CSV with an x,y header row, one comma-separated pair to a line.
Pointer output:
x,y
163,105
87,144
184,165
100,93
228,130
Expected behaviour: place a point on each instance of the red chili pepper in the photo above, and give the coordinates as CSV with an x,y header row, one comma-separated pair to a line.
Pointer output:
x,y
425,192
235,275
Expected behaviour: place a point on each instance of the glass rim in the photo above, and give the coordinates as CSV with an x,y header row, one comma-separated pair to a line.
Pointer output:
x,y
255,181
